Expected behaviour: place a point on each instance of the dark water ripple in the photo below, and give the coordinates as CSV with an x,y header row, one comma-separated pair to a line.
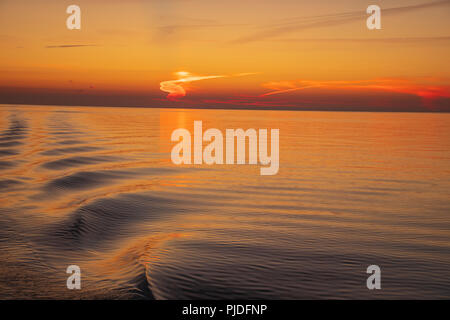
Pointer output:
x,y
69,150
76,161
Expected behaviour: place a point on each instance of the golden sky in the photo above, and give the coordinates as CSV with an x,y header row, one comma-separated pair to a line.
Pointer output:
x,y
234,53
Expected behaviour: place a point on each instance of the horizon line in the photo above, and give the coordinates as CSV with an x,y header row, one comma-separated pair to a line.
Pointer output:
x,y
256,108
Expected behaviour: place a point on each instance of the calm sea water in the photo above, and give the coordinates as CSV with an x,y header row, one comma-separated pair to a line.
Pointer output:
x,y
96,187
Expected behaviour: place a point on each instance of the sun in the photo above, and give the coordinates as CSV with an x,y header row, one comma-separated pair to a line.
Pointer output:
x,y
182,74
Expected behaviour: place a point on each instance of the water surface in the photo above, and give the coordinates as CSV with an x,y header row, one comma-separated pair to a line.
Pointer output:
x,y
95,187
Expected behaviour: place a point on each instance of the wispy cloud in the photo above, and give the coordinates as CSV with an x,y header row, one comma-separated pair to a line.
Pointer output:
x,y
424,87
177,88
62,46
393,40
169,29
304,23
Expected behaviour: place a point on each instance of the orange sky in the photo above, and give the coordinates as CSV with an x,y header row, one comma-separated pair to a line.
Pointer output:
x,y
232,54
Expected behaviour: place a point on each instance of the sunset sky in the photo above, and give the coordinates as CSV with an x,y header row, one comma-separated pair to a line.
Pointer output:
x,y
316,55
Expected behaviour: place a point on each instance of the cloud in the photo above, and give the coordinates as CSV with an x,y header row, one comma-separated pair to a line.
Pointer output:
x,y
393,40
169,29
70,46
303,23
428,89
177,88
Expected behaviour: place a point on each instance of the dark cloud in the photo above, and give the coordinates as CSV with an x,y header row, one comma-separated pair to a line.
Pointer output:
x,y
70,46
